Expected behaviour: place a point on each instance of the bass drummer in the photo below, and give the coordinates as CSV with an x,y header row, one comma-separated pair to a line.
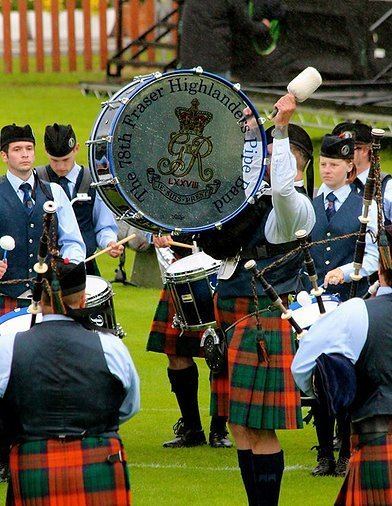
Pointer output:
x,y
183,374
96,222
261,396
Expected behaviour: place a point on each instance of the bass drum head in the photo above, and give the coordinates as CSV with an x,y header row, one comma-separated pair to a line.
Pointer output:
x,y
184,156
17,320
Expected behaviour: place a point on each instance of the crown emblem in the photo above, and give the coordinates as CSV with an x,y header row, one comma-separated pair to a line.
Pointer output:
x,y
193,121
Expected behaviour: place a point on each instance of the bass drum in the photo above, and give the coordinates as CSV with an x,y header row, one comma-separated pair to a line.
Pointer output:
x,y
174,153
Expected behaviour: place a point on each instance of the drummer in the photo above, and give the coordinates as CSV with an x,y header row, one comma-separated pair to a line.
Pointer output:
x,y
22,198
183,374
97,224
337,209
262,396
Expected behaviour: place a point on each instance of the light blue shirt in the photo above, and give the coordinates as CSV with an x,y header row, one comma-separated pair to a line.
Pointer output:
x,y
343,331
370,259
69,236
105,226
117,357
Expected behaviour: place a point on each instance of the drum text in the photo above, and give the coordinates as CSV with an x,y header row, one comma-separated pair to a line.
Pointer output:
x,y
178,84
136,187
239,185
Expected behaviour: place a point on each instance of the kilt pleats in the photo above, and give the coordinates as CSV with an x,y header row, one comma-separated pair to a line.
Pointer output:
x,y
369,478
260,390
69,473
163,338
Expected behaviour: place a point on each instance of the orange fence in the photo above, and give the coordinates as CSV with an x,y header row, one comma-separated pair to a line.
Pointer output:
x,y
35,33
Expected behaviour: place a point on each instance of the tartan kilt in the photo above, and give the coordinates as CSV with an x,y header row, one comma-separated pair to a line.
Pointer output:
x,y
8,304
163,338
369,478
68,473
260,391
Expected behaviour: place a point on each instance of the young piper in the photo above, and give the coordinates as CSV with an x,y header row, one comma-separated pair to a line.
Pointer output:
x,y
97,224
64,424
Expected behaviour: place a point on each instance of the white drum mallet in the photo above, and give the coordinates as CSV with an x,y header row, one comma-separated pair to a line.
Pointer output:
x,y
302,86
7,243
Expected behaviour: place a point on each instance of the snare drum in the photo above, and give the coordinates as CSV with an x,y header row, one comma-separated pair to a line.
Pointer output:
x,y
17,320
99,302
307,314
181,155
191,281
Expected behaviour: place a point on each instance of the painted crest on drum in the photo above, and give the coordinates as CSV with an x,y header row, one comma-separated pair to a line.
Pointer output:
x,y
183,154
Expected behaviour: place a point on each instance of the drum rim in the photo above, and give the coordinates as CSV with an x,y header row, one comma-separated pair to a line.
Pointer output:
x,y
100,297
164,226
195,275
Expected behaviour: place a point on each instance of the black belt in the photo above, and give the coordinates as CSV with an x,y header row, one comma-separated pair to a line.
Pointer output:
x,y
379,423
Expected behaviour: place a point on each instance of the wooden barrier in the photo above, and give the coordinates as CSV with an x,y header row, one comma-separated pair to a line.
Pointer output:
x,y
69,36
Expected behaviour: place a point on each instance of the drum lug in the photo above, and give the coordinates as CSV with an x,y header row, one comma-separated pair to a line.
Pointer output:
x,y
198,70
237,87
108,182
119,331
218,225
261,120
102,140
178,323
177,231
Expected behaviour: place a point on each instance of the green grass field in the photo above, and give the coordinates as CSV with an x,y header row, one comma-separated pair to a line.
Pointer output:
x,y
199,476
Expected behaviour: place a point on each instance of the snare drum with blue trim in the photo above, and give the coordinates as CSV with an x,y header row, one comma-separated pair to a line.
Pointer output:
x,y
191,281
17,320
181,154
307,312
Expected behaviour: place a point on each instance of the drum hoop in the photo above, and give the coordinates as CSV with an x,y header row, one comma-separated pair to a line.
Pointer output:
x,y
165,226
195,275
100,297
19,311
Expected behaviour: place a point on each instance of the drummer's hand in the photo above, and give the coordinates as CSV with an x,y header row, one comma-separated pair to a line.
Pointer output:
x,y
286,106
162,241
334,277
115,249
3,268
250,118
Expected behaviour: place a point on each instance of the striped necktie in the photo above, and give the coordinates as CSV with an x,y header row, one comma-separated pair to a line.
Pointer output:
x,y
330,210
27,200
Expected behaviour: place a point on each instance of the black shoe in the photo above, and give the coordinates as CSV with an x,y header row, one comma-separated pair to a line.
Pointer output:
x,y
185,437
325,467
342,466
219,440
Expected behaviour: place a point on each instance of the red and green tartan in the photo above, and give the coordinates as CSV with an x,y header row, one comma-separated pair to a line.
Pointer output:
x,y
369,478
259,390
69,473
8,304
163,338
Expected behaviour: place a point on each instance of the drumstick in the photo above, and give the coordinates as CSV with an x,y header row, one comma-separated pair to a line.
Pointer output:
x,y
180,244
102,251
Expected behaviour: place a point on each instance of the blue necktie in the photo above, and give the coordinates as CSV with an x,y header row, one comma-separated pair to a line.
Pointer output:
x,y
330,210
63,182
27,200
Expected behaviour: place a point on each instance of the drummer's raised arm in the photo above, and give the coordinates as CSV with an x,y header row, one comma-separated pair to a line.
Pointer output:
x,y
291,209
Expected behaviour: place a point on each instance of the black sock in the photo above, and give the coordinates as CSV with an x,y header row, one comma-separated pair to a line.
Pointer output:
x,y
185,383
325,425
245,462
344,430
218,424
268,471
